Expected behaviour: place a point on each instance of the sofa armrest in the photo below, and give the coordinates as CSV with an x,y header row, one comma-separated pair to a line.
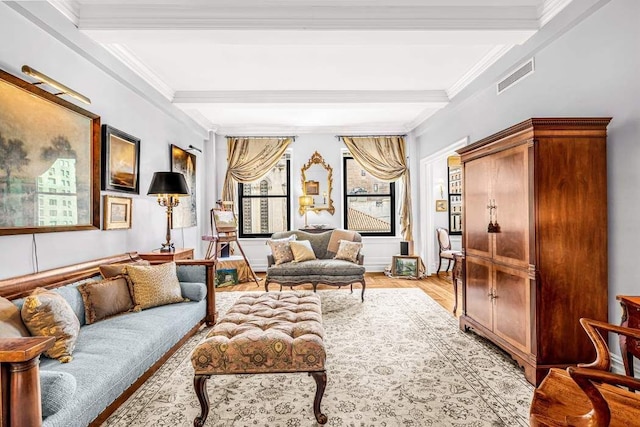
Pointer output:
x,y
19,360
361,259
270,260
205,269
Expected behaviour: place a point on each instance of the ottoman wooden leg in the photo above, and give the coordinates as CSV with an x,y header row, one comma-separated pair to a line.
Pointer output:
x,y
321,383
200,384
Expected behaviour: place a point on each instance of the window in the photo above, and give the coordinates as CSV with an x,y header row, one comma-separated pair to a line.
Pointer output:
x,y
264,205
369,204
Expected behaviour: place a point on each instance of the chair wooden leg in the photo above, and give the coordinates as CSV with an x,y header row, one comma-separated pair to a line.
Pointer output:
x,y
448,265
439,266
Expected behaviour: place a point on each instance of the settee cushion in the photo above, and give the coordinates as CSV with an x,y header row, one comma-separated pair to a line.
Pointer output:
x,y
302,251
11,324
338,235
317,267
193,291
112,270
111,354
56,388
105,298
47,313
154,285
318,241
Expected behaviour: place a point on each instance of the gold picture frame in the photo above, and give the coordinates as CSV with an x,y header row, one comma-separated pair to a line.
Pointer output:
x,y
117,212
441,205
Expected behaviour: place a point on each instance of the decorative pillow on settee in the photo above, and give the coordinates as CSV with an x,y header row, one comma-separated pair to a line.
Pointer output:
x,y
105,298
47,313
348,251
302,251
281,249
154,285
11,324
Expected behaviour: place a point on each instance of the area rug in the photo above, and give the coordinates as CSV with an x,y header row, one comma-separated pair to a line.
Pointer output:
x,y
398,359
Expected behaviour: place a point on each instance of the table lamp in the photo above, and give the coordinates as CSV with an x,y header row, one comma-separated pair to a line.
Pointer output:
x,y
168,186
305,201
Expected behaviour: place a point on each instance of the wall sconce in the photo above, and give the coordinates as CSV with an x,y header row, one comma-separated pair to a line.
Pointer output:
x,y
305,202
440,186
168,186
44,79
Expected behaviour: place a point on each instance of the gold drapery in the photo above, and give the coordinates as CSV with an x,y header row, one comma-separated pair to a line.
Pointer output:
x,y
249,159
384,157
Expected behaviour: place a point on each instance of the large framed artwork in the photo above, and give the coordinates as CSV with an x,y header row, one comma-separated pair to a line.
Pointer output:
x,y
49,161
185,214
120,161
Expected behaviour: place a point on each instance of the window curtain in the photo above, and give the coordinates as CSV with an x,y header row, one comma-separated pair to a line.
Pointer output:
x,y
384,157
249,159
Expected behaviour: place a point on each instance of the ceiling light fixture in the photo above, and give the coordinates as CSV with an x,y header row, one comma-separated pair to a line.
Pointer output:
x,y
44,79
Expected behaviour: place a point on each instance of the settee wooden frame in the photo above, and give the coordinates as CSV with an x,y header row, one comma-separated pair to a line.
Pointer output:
x,y
19,357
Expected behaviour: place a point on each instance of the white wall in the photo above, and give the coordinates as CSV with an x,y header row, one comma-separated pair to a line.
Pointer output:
x,y
378,250
591,70
23,42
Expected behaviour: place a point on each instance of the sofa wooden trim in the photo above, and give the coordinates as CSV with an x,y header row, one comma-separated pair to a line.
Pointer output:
x,y
21,393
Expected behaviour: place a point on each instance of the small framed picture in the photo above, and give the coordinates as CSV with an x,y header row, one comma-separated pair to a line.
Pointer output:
x,y
117,212
441,205
120,161
405,266
226,277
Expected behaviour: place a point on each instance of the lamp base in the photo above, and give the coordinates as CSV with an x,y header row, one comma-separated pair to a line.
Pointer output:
x,y
167,247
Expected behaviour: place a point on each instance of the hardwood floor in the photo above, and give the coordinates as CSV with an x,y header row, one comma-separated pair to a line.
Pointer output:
x,y
439,288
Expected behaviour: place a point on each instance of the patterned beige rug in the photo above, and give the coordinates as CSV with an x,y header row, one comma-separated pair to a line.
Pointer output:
x,y
398,359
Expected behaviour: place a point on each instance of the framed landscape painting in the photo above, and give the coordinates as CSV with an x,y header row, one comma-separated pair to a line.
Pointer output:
x,y
120,161
185,214
405,266
49,161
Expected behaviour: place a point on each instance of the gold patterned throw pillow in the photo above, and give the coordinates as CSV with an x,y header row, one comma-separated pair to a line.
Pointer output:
x,y
302,251
154,285
105,298
281,249
348,251
47,313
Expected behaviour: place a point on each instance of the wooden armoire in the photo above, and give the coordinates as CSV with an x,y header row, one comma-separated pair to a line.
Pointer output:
x,y
535,239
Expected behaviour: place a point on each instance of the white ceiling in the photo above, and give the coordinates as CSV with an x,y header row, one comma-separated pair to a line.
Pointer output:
x,y
309,65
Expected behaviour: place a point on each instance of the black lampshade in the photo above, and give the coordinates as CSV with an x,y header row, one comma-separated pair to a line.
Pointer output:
x,y
168,183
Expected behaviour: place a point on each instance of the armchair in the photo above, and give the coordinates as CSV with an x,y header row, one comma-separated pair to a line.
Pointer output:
x,y
589,395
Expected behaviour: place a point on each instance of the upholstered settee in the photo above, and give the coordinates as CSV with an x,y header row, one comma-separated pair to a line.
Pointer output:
x,y
112,357
325,269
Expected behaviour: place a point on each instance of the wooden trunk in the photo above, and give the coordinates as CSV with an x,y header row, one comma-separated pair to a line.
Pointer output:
x,y
542,264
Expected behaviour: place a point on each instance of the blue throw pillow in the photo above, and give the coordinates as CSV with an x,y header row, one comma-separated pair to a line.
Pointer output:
x,y
193,291
56,388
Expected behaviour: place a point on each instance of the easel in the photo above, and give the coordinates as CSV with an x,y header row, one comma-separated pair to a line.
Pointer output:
x,y
224,227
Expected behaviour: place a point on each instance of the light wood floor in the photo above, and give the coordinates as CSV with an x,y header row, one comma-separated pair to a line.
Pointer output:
x,y
439,288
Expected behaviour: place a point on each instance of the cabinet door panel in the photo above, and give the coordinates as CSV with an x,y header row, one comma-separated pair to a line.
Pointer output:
x,y
511,193
512,306
477,290
476,214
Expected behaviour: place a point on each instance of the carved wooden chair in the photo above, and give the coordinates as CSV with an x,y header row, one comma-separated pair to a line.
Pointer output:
x,y
445,248
589,395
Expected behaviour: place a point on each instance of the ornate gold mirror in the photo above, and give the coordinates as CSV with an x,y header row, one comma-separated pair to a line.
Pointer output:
x,y
317,182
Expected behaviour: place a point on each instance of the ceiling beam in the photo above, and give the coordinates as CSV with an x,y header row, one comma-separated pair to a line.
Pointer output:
x,y
198,15
311,97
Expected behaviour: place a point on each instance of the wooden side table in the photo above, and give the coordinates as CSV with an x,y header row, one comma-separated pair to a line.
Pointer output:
x,y
629,347
157,257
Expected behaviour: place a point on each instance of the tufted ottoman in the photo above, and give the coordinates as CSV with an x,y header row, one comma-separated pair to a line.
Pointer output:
x,y
264,333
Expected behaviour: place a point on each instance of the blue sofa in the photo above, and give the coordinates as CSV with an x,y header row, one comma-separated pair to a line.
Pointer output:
x,y
114,356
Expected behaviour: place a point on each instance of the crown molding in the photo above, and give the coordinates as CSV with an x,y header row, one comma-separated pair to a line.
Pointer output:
x,y
550,8
129,59
310,96
480,67
69,8
249,129
200,15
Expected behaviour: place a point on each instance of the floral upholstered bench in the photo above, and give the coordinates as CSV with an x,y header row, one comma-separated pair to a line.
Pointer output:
x,y
264,333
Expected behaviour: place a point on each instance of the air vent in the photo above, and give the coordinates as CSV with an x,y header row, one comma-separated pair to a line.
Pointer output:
x,y
523,71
